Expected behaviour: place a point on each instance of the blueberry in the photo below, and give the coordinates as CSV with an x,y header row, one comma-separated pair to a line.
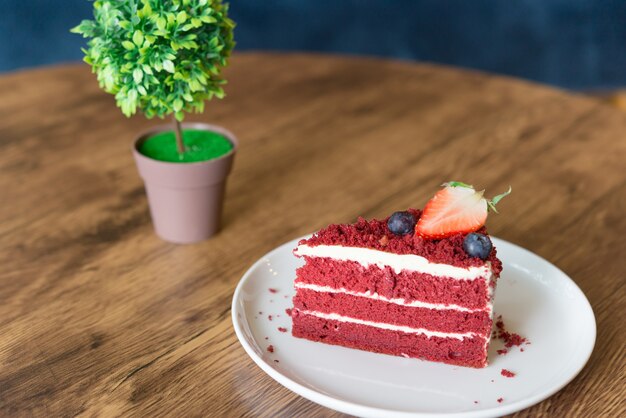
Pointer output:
x,y
477,245
401,223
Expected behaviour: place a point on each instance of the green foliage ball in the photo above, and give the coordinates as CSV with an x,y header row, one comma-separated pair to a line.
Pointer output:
x,y
160,56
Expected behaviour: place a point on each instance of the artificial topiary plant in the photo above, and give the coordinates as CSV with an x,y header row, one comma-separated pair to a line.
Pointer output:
x,y
163,57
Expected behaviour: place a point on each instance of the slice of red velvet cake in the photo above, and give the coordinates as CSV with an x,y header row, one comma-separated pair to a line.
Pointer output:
x,y
418,284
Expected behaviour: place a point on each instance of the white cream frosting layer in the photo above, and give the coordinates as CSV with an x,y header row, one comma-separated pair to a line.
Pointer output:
x,y
398,262
391,327
396,301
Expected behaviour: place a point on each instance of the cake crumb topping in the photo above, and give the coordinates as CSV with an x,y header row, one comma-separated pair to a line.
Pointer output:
x,y
372,234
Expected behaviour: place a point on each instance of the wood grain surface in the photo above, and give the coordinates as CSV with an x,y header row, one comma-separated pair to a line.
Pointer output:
x,y
98,317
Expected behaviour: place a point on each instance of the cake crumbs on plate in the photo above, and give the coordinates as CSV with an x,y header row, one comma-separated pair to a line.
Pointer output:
x,y
502,352
288,311
270,348
282,329
500,400
269,317
276,361
272,290
510,339
507,373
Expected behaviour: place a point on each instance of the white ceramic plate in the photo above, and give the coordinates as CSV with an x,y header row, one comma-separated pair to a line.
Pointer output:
x,y
536,300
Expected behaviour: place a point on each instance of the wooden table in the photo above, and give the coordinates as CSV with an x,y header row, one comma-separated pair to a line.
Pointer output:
x,y
99,317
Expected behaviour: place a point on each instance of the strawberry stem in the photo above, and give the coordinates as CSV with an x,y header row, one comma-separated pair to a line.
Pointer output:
x,y
493,202
457,184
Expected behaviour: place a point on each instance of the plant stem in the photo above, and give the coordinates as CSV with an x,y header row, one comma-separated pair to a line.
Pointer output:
x,y
180,145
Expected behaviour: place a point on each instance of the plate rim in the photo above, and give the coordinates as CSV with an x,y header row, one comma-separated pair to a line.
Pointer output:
x,y
353,408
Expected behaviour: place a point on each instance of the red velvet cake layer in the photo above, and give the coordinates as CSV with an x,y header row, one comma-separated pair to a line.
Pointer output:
x,y
410,286
391,313
467,352
374,234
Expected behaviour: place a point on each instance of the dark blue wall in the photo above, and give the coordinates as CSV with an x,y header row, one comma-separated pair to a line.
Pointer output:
x,y
569,43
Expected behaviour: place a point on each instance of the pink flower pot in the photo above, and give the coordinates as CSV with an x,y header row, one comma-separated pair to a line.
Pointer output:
x,y
185,199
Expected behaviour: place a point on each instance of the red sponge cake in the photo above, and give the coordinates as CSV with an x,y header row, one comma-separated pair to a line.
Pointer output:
x,y
402,286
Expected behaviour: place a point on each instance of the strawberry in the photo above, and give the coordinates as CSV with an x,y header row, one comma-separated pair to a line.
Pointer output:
x,y
455,209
